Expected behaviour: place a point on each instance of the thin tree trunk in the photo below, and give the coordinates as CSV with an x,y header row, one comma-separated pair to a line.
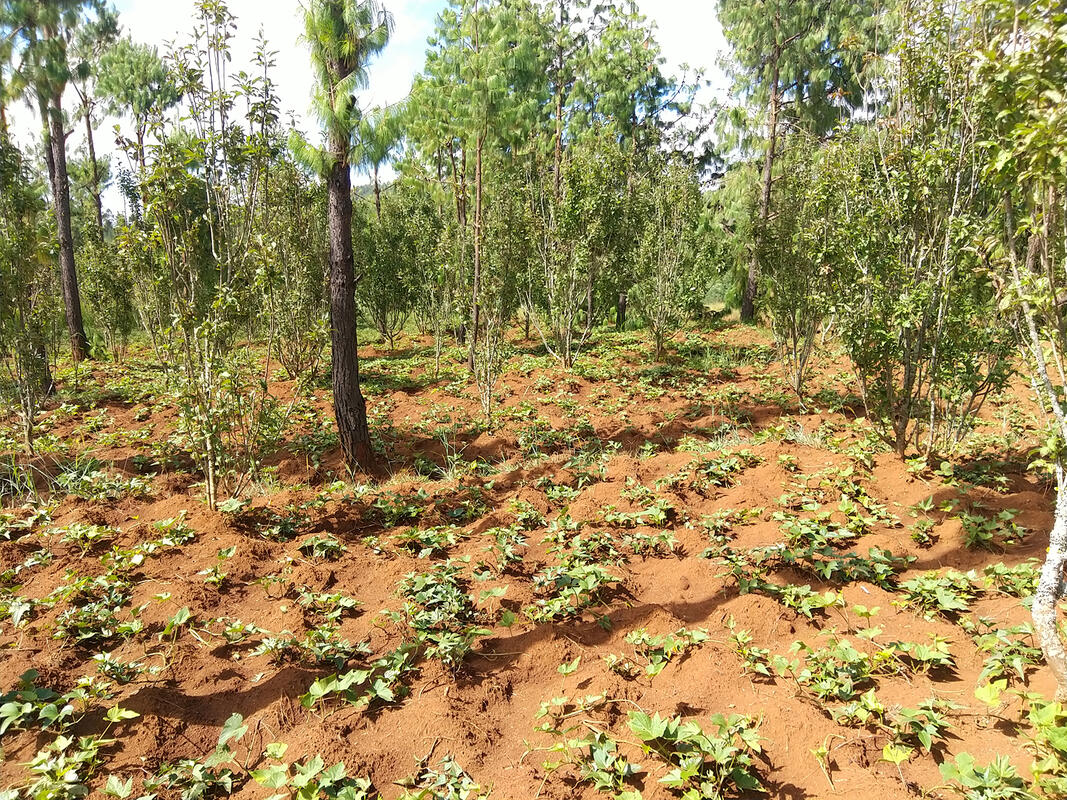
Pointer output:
x,y
558,155
97,199
47,382
477,281
748,301
349,406
620,312
377,195
79,342
3,108
140,150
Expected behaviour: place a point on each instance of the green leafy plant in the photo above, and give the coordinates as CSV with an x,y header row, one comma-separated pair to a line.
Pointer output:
x,y
653,653
948,593
383,682
980,530
326,548
448,782
440,612
1018,581
427,542
708,763
996,781
753,658
85,536
331,606
568,592
310,779
209,778
836,672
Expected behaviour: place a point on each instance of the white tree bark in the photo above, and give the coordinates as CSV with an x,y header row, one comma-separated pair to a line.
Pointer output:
x,y
1049,591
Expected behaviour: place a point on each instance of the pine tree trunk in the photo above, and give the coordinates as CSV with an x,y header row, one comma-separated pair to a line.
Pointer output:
x,y
557,170
68,275
1049,592
377,195
97,199
748,301
349,406
140,150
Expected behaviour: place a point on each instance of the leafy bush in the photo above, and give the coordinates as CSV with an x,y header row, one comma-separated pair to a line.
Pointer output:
x,y
442,615
709,763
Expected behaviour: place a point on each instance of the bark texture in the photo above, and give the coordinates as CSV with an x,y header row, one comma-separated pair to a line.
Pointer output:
x,y
1049,592
349,406
68,275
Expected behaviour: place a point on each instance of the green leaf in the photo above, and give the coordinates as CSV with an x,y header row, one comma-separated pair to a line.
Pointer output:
x,y
274,776
232,730
115,787
570,668
116,714
647,728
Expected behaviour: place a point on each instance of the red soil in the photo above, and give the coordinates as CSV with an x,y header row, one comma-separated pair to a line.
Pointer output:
x,y
485,715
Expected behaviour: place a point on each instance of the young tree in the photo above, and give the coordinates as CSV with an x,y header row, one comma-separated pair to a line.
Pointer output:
x,y
44,32
25,291
580,236
202,263
917,313
798,62
801,249
379,136
135,82
343,36
669,283
507,239
297,299
90,42
1022,71
483,77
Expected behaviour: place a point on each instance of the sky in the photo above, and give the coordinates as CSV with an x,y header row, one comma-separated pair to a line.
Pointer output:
x,y
688,32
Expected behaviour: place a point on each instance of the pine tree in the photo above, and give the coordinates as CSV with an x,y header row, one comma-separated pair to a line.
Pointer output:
x,y
43,32
379,136
90,42
135,83
343,36
484,84
799,61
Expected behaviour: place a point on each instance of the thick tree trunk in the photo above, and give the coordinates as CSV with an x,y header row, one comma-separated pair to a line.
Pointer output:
x,y
349,406
68,275
748,301
1049,592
